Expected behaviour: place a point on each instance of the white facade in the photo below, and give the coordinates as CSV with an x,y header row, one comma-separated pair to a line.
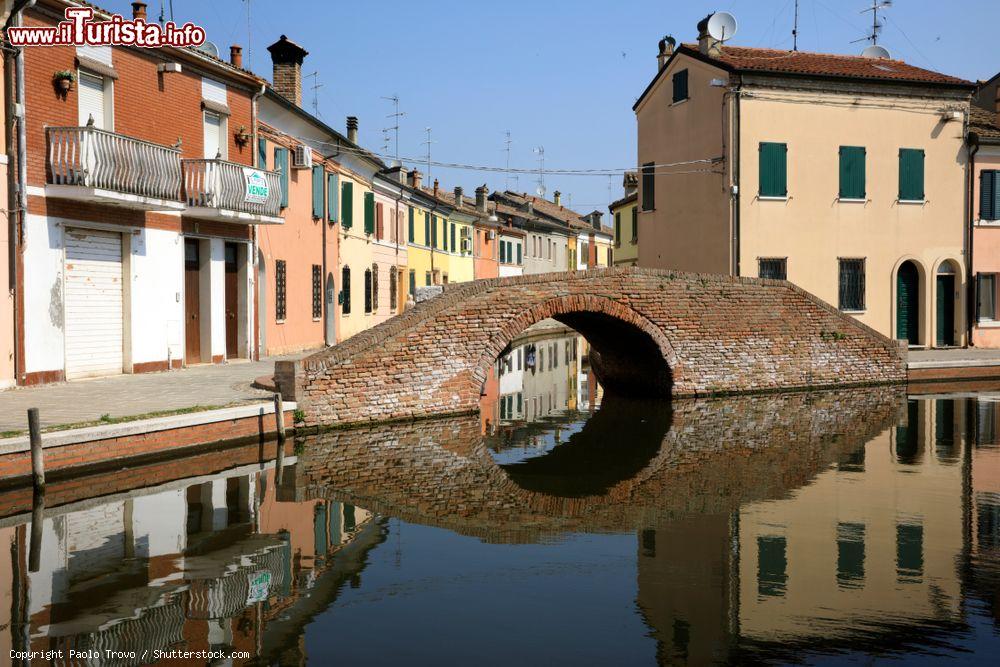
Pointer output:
x,y
510,266
152,312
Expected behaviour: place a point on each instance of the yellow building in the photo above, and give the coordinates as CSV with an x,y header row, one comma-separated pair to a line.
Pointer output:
x,y
625,220
453,243
868,214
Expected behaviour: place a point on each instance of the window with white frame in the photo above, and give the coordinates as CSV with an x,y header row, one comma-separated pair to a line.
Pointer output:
x,y
986,292
95,100
215,133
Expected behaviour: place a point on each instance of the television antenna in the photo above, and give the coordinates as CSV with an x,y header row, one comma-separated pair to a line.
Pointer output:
x,y
315,88
507,144
795,28
395,115
877,6
722,26
540,190
428,144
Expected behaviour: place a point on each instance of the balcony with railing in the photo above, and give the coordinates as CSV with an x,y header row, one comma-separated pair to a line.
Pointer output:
x,y
90,164
221,190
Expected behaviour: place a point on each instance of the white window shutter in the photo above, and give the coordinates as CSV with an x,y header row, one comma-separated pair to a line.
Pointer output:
x,y
213,135
91,95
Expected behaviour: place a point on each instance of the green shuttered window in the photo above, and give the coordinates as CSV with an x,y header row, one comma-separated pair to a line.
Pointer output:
x,y
317,191
911,174
989,194
773,169
332,198
648,186
369,213
412,232
681,85
347,204
262,153
852,172
434,230
281,166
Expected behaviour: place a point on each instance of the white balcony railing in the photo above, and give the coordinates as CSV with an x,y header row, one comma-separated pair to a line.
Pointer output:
x,y
222,185
93,158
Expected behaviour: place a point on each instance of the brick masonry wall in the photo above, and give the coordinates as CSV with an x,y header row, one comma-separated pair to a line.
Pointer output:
x,y
712,456
115,450
716,335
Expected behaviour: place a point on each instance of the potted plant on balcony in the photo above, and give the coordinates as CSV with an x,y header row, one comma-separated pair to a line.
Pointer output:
x,y
63,80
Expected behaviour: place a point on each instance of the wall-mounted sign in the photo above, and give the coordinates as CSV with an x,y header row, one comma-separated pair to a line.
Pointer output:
x,y
257,189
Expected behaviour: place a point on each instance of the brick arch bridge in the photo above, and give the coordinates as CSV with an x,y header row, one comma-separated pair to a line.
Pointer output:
x,y
707,457
651,332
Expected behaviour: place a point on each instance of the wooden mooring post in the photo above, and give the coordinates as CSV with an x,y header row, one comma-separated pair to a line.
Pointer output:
x,y
279,421
38,493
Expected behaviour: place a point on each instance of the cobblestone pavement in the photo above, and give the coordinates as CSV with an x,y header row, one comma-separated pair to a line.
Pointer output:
x,y
129,395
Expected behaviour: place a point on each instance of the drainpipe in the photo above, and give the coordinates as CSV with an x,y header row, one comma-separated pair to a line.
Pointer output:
x,y
255,353
17,195
735,189
972,139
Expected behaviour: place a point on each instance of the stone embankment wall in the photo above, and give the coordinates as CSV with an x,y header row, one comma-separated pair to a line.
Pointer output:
x,y
652,332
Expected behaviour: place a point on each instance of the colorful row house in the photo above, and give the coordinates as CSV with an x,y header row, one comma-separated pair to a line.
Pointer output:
x,y
625,216
135,239
983,139
870,214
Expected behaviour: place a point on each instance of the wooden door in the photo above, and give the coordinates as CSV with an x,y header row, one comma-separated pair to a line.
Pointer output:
x,y
908,304
945,310
192,302
232,302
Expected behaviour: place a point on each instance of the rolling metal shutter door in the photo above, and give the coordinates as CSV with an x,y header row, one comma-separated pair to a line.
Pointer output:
x,y
93,302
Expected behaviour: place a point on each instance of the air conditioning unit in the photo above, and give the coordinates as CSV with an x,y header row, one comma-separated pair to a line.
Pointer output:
x,y
303,157
492,235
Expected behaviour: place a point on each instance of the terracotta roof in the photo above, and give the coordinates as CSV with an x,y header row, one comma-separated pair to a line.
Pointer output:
x,y
984,123
742,58
808,64
564,215
627,199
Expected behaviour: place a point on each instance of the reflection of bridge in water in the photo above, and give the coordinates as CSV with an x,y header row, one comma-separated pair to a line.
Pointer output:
x,y
698,457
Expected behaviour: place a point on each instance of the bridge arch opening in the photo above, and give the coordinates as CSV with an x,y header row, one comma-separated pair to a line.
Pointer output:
x,y
629,354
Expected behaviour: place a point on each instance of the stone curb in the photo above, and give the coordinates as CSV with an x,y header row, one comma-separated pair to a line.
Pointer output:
x,y
139,427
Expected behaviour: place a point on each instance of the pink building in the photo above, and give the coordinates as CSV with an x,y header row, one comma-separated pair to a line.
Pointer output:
x,y
984,149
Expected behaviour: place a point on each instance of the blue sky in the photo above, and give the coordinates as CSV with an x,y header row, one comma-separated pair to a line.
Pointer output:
x,y
562,75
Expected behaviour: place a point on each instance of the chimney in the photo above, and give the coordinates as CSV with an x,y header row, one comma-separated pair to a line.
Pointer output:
x,y
595,220
481,193
630,183
236,56
435,187
352,129
557,198
139,10
666,50
415,179
707,44
287,58
458,196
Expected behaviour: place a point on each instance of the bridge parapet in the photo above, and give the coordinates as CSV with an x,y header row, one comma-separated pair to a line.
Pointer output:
x,y
651,331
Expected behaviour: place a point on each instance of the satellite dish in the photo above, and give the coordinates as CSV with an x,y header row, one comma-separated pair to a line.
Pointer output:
x,y
876,51
722,26
540,190
209,48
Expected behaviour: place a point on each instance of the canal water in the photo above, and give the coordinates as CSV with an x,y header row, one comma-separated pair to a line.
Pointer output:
x,y
559,526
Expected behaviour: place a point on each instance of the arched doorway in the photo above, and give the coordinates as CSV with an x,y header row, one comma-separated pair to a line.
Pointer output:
x,y
908,303
944,335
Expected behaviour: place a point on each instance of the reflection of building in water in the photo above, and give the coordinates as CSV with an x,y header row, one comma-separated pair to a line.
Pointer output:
x,y
538,376
867,550
194,566
985,507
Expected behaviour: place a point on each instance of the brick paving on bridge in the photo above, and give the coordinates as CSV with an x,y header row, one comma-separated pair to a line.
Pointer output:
x,y
132,395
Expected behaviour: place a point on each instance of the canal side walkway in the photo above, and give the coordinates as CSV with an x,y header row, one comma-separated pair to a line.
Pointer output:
x,y
112,399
